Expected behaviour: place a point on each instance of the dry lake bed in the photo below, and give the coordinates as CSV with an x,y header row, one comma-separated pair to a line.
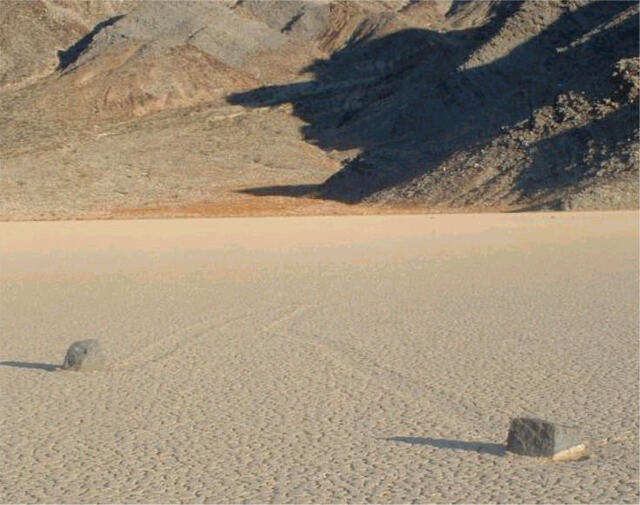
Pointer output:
x,y
318,359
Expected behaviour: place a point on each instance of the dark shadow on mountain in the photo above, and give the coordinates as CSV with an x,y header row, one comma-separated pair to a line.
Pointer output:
x,y
460,445
23,364
408,101
301,190
72,53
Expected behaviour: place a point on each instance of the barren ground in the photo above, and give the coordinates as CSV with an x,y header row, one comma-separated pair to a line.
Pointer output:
x,y
319,359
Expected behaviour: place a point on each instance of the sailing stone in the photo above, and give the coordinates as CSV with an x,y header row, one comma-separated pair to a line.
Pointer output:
x,y
84,355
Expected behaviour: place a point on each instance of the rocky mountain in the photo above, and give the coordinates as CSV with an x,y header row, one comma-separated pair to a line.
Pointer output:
x,y
117,107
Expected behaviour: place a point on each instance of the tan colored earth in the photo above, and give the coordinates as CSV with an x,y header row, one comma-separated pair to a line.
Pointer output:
x,y
372,345
319,359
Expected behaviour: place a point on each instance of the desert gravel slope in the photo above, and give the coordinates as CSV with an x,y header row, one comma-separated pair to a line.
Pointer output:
x,y
124,107
351,359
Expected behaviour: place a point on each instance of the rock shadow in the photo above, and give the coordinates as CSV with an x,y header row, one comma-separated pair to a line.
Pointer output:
x,y
23,364
72,53
445,443
411,99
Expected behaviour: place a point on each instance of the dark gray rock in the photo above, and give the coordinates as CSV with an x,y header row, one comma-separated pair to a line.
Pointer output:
x,y
536,437
84,355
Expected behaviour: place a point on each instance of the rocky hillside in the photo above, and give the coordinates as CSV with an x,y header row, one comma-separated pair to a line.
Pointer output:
x,y
140,105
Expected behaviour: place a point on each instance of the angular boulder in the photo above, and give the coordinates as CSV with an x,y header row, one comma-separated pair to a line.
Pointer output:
x,y
84,355
536,437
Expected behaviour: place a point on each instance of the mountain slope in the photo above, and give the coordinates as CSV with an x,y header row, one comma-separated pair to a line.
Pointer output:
x,y
114,106
524,110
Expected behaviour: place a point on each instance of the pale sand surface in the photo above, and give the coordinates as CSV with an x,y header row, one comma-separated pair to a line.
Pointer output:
x,y
319,359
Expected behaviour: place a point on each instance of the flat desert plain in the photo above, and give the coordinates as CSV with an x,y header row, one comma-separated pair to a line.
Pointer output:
x,y
319,359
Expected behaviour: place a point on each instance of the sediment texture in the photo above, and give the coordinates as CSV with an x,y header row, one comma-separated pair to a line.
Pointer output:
x,y
352,359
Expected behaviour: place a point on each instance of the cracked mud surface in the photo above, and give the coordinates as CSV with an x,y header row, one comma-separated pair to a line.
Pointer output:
x,y
335,359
